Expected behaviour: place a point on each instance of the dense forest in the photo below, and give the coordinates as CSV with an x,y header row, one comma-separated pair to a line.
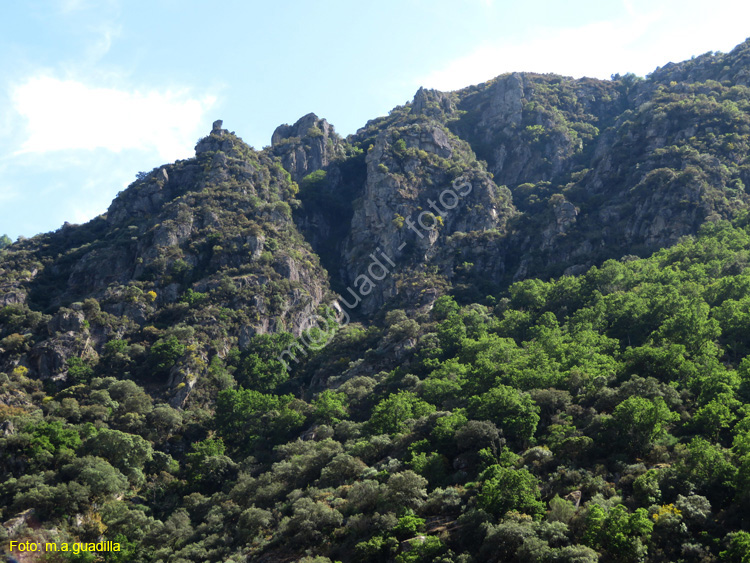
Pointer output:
x,y
555,371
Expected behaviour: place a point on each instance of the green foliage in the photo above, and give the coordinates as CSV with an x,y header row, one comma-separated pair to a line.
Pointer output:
x,y
422,550
193,298
313,181
510,409
124,451
390,414
441,428
739,548
624,535
245,416
259,367
79,371
164,353
408,525
329,407
637,421
504,489
53,437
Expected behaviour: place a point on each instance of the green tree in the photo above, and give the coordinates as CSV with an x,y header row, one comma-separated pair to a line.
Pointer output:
x,y
164,353
739,548
408,525
622,535
5,241
244,416
53,437
513,411
101,479
329,407
638,421
390,414
79,371
259,367
505,489
124,451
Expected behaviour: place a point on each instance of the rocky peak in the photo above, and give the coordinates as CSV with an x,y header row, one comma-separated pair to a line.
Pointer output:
x,y
220,140
308,145
301,128
432,103
506,100
733,67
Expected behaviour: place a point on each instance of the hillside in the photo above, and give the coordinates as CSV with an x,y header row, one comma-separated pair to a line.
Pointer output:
x,y
505,323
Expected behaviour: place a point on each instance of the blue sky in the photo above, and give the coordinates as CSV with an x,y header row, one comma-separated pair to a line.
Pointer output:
x,y
93,91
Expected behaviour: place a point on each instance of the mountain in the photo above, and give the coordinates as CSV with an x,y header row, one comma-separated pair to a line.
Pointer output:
x,y
503,323
567,174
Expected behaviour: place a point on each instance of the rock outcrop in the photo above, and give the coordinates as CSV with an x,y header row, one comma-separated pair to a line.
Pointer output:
x,y
308,145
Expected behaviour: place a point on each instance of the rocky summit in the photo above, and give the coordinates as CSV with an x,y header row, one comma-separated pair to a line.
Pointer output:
x,y
504,323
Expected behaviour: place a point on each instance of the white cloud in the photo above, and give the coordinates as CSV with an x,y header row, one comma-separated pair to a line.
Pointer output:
x,y
69,115
638,42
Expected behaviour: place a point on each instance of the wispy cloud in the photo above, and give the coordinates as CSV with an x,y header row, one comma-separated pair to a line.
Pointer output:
x,y
596,50
69,115
642,39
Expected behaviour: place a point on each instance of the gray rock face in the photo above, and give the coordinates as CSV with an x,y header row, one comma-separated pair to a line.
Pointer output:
x,y
11,296
565,214
308,145
149,196
410,207
506,102
66,320
47,359
433,103
217,141
523,133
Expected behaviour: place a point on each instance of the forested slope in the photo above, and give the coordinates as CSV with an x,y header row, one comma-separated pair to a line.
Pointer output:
x,y
623,390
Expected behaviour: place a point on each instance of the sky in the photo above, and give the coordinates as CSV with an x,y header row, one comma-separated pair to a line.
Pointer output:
x,y
94,91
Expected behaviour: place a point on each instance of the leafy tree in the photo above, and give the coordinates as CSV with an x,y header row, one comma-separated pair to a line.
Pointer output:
x,y
259,367
79,371
329,407
638,421
53,437
164,420
513,411
444,307
408,525
624,535
739,548
244,416
124,451
310,522
505,489
422,550
5,241
406,489
98,476
164,353
390,414
560,510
